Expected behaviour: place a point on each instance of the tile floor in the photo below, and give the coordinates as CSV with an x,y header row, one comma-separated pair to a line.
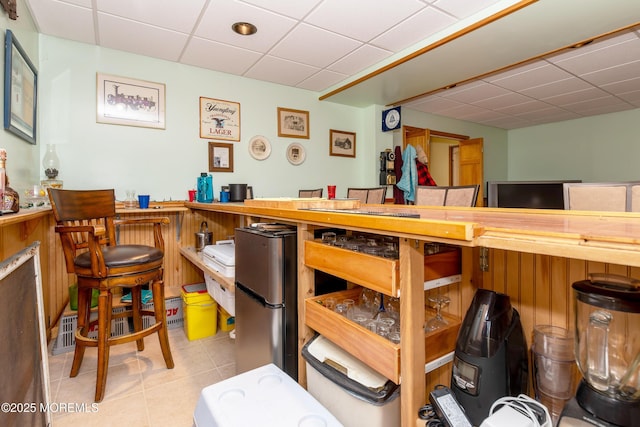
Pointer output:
x,y
141,391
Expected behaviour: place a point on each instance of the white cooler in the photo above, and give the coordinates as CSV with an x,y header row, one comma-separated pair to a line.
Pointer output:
x,y
356,394
221,257
265,397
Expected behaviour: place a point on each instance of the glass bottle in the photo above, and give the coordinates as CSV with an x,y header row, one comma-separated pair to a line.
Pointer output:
x,y
11,198
130,202
51,162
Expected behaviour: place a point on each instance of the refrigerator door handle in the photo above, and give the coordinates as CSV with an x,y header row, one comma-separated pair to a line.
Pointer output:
x,y
258,298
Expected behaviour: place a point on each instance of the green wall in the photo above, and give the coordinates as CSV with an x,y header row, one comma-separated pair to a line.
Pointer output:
x,y
23,158
598,148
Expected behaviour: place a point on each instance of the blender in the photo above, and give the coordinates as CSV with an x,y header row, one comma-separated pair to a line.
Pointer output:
x,y
607,350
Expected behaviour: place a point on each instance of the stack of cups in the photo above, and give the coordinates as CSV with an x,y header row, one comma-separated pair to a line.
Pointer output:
x,y
554,367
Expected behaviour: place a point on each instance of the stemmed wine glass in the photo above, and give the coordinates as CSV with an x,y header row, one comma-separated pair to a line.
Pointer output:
x,y
436,322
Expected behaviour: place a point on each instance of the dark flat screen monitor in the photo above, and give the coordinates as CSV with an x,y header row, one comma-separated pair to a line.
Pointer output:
x,y
526,194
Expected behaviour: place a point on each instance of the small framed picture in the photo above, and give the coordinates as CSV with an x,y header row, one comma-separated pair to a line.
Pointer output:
x,y
130,102
342,143
296,154
220,157
293,123
219,119
259,147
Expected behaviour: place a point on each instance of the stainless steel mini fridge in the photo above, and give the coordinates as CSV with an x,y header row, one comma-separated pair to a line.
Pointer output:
x,y
266,298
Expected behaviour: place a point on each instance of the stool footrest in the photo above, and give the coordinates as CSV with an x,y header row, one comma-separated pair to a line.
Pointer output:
x,y
134,336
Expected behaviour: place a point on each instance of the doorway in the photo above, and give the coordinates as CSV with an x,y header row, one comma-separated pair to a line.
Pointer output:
x,y
453,159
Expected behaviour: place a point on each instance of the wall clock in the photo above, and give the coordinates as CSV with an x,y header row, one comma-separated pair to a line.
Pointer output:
x,y
391,119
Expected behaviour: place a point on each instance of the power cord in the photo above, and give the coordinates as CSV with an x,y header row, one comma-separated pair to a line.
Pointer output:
x,y
533,410
429,414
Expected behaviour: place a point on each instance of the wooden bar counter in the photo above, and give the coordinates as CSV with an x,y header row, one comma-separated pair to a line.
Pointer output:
x,y
533,242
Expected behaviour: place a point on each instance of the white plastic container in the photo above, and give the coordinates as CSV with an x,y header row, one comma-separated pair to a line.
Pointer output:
x,y
356,394
265,397
221,257
222,295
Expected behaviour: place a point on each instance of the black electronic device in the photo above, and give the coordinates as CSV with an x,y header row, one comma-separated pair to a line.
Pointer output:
x,y
387,167
490,360
447,408
526,194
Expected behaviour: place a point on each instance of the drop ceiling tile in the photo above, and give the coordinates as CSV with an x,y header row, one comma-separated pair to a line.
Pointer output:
x,y
220,15
581,107
508,99
433,104
530,77
463,8
218,56
280,71
614,74
297,9
361,58
623,86
548,114
362,19
474,93
154,12
116,33
525,107
313,46
54,18
599,55
632,97
558,87
565,99
414,29
321,79
507,122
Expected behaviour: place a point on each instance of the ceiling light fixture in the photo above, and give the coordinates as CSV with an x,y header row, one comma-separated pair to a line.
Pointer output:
x,y
244,28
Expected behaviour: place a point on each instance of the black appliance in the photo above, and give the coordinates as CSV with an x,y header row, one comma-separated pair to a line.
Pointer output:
x,y
387,167
266,318
490,360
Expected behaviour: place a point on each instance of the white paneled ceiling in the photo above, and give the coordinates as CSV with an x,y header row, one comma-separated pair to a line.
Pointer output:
x,y
323,44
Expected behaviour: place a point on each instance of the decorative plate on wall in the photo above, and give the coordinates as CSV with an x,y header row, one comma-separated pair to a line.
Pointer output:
x,y
259,147
296,153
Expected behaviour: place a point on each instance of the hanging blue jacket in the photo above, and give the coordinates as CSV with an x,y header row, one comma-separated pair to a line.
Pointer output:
x,y
409,178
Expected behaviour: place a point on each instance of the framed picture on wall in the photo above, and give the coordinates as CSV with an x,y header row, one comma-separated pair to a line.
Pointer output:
x,y
293,123
220,157
219,119
20,91
342,143
130,102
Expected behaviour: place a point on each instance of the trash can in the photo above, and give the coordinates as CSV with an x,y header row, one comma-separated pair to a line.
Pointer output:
x,y
353,392
200,312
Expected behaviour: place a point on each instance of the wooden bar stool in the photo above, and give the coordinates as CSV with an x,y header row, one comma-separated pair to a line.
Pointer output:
x,y
86,224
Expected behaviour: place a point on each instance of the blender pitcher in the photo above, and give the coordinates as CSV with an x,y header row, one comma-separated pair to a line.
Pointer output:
x,y
607,320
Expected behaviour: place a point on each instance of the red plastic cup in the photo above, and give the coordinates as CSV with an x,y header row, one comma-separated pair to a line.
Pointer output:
x,y
331,191
192,195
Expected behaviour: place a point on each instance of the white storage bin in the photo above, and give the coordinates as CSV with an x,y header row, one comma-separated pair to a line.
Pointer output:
x,y
355,394
265,397
222,295
221,257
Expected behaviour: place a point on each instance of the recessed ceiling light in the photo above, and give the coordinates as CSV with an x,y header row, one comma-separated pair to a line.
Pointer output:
x,y
244,28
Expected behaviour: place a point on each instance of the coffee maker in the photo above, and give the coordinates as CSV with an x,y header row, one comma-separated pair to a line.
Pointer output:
x,y
490,360
607,350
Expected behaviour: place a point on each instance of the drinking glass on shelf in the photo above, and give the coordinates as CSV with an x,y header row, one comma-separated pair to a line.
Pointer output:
x,y
438,321
329,238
